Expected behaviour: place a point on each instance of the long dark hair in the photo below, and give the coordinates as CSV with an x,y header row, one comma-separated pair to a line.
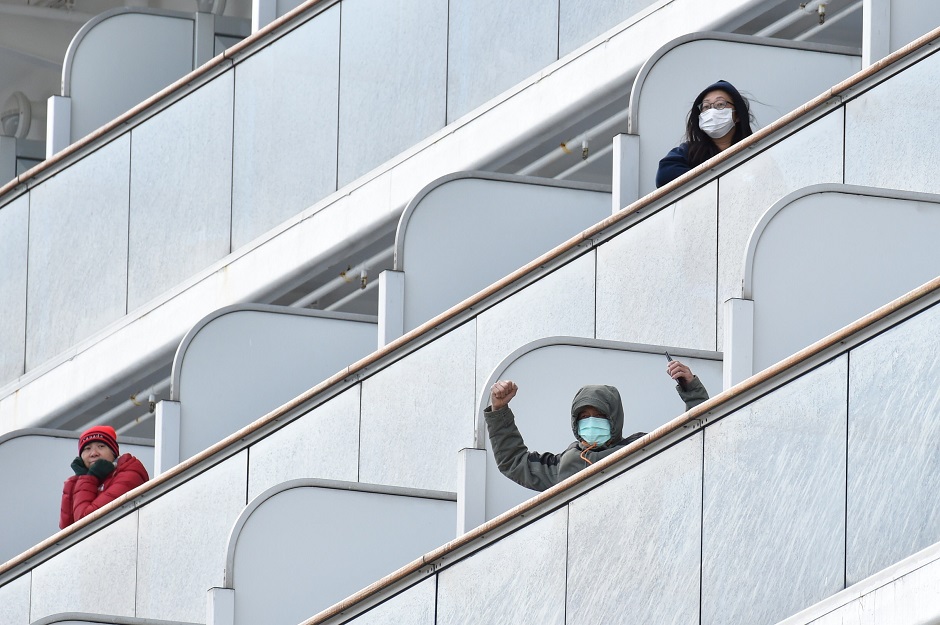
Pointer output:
x,y
701,146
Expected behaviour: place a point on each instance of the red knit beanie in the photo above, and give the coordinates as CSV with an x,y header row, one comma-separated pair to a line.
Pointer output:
x,y
103,433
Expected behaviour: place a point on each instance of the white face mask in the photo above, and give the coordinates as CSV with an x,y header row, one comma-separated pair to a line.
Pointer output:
x,y
715,123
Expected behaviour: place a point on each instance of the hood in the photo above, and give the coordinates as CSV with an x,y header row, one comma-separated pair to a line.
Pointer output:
x,y
607,400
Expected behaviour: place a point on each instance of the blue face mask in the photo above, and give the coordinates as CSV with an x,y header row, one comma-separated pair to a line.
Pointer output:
x,y
594,430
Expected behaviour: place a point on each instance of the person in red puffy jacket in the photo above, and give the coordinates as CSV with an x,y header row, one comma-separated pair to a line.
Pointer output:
x,y
101,475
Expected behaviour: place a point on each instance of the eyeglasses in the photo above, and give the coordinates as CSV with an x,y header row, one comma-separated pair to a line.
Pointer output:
x,y
718,105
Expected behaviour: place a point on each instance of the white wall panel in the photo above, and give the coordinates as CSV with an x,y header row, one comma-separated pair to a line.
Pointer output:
x,y
415,606
894,434
582,20
77,252
14,601
482,590
286,101
14,233
493,44
774,502
745,193
634,544
393,72
891,130
656,281
560,304
183,536
180,190
69,582
305,447
418,413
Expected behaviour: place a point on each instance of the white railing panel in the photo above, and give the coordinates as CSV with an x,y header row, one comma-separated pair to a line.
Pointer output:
x,y
14,601
890,130
656,282
638,543
14,237
417,413
64,583
77,273
285,155
183,535
393,77
181,209
894,433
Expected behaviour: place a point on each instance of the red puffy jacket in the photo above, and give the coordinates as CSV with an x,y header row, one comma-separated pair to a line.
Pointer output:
x,y
83,494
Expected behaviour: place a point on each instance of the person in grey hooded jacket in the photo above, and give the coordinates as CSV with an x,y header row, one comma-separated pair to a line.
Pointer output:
x,y
596,421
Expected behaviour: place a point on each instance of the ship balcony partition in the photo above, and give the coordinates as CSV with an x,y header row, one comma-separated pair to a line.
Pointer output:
x,y
821,257
34,464
121,57
549,372
466,230
85,618
241,362
775,75
302,545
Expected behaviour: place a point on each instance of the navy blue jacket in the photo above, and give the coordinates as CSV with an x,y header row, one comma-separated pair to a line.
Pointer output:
x,y
673,165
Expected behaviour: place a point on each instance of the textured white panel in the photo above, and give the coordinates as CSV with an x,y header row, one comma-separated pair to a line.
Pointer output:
x,y
393,72
484,589
181,190
77,252
286,100
774,502
656,281
582,20
894,433
418,413
560,304
745,193
72,580
635,543
183,536
14,601
890,130
477,70
289,454
14,229
415,606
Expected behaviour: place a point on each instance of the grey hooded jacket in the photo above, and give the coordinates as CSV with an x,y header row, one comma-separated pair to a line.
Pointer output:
x,y
540,471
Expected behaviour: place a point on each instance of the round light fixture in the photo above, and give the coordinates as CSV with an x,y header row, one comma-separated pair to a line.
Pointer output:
x,y
16,116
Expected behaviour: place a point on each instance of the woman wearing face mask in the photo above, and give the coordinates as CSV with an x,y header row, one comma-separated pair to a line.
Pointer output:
x,y
720,117
597,421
